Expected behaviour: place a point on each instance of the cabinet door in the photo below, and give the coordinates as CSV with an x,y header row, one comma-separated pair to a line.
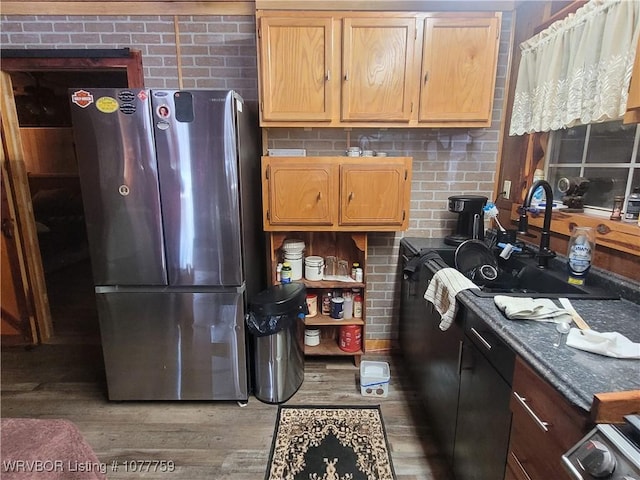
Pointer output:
x,y
459,63
374,194
301,193
295,68
544,426
377,68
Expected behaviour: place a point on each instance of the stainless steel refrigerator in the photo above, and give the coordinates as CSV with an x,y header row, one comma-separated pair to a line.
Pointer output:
x,y
171,189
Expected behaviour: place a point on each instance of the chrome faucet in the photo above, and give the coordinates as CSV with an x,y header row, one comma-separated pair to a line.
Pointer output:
x,y
544,254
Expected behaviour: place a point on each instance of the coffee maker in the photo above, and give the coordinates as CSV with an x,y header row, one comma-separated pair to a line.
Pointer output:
x,y
470,218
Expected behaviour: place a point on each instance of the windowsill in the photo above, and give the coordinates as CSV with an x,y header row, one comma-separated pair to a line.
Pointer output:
x,y
616,235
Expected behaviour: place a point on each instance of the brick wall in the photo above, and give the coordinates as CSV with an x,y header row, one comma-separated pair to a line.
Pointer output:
x,y
216,51
220,52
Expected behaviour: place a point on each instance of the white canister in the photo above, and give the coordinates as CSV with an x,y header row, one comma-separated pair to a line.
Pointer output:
x,y
293,249
312,337
347,309
313,267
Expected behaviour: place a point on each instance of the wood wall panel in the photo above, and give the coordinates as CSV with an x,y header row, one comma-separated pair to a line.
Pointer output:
x,y
49,150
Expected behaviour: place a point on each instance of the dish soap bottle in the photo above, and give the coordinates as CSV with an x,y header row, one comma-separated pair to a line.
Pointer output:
x,y
582,245
539,195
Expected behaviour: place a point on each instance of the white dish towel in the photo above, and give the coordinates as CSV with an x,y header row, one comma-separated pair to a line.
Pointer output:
x,y
442,291
526,308
610,344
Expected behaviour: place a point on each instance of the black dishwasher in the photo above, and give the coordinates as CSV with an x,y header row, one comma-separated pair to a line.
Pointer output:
x,y
463,374
484,417
431,356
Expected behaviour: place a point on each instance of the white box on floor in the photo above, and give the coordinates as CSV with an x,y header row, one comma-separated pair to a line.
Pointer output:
x,y
374,378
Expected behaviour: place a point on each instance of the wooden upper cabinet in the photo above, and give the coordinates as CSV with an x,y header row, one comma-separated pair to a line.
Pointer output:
x,y
298,193
296,68
336,193
459,61
377,68
375,194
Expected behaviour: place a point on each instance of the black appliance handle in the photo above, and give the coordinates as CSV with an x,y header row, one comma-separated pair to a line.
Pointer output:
x,y
413,265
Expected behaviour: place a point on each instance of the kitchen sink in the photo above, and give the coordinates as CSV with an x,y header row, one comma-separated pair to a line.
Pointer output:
x,y
520,276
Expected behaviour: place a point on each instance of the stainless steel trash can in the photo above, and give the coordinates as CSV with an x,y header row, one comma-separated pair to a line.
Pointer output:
x,y
276,324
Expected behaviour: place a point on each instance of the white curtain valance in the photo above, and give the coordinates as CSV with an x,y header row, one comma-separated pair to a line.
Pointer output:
x,y
578,70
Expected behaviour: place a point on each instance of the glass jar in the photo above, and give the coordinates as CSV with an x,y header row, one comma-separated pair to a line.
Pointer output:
x,y
582,246
357,306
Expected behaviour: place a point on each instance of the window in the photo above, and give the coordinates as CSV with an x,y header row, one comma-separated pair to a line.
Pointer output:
x,y
604,153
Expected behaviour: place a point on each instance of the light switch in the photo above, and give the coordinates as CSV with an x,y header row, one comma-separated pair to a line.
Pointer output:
x,y
506,188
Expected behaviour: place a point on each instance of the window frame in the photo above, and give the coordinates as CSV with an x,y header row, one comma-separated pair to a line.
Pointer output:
x,y
631,166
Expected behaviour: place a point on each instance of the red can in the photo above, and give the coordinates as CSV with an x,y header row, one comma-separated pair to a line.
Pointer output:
x,y
350,338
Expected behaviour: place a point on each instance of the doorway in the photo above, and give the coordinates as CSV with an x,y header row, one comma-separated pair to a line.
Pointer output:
x,y
40,82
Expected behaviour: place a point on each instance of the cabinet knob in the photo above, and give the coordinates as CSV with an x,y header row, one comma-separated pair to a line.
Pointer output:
x,y
319,196
327,77
351,195
346,77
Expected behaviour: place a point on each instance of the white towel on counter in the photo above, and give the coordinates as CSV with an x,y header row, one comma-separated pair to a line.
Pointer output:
x,y
442,291
610,344
526,308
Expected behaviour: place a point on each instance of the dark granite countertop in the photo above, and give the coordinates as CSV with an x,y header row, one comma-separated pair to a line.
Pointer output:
x,y
576,374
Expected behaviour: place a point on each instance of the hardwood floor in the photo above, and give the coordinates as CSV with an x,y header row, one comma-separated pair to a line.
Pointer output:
x,y
206,440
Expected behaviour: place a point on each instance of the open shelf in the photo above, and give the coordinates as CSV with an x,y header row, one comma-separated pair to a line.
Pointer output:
x,y
329,346
327,320
330,284
349,246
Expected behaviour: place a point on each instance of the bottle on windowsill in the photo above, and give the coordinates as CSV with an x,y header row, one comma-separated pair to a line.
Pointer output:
x,y
539,195
632,209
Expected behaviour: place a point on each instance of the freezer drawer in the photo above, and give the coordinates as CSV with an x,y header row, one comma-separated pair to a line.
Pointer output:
x,y
173,345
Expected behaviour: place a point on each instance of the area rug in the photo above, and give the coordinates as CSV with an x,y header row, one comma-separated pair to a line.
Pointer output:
x,y
329,443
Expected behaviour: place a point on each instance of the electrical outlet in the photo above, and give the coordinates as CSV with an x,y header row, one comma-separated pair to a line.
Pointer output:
x,y
506,188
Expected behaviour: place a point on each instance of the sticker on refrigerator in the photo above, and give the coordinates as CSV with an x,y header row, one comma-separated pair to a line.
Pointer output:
x,y
163,111
123,190
107,104
142,95
126,96
82,98
162,125
128,108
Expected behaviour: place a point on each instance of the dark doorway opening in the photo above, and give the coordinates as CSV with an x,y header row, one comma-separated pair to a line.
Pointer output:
x,y
41,80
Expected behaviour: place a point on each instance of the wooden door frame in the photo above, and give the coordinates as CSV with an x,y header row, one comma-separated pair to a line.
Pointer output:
x,y
14,162
21,319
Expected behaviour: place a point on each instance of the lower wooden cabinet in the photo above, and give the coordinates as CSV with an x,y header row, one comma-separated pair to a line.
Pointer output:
x,y
346,246
543,427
